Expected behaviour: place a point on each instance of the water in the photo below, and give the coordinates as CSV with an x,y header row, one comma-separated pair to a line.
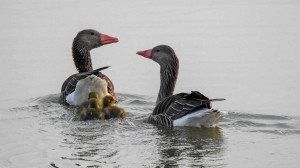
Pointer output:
x,y
45,133
244,51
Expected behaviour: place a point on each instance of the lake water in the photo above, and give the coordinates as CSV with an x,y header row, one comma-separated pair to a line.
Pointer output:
x,y
244,51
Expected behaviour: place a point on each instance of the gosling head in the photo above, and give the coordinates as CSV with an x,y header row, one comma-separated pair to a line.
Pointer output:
x,y
94,95
108,101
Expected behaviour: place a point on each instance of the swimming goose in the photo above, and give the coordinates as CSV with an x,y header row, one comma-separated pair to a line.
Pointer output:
x,y
181,109
83,43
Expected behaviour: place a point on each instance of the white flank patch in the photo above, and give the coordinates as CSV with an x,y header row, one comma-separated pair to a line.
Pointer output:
x,y
201,118
84,87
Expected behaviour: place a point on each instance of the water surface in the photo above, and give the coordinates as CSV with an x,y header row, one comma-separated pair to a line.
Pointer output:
x,y
46,134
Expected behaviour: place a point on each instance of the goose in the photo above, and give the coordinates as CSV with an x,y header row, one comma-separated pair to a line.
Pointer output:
x,y
181,109
76,88
109,110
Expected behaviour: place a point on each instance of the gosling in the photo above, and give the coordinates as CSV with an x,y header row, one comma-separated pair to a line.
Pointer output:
x,y
109,110
91,109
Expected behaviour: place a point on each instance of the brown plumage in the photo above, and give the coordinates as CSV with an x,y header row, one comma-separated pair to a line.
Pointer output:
x,y
85,41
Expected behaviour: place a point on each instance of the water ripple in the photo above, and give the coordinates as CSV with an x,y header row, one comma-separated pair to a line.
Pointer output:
x,y
271,124
115,142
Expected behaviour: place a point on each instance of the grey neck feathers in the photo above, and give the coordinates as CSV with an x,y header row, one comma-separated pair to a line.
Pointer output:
x,y
168,77
81,57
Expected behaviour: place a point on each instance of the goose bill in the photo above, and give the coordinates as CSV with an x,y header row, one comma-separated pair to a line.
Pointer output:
x,y
146,53
106,39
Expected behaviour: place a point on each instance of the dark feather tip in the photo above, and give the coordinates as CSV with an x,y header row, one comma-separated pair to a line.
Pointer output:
x,y
218,99
100,69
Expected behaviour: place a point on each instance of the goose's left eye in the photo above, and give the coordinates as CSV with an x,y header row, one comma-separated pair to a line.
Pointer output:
x,y
157,50
92,33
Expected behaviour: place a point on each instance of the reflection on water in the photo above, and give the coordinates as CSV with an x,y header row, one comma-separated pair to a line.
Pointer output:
x,y
130,141
190,147
61,141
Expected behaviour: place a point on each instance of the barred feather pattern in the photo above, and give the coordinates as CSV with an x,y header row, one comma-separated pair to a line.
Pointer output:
x,y
160,120
70,83
176,106
168,78
81,57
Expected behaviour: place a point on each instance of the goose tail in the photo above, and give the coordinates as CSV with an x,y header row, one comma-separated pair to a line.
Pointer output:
x,y
201,118
95,72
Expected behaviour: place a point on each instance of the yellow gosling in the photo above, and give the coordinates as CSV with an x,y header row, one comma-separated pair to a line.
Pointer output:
x,y
94,103
86,104
109,110
94,95
107,100
102,115
114,112
91,109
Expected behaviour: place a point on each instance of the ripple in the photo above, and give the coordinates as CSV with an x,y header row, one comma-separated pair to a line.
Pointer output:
x,y
278,132
257,123
257,116
138,102
111,143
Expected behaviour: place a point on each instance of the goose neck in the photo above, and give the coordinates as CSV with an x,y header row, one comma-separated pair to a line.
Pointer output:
x,y
168,78
81,57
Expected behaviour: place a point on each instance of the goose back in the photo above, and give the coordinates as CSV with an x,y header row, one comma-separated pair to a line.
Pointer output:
x,y
70,83
177,106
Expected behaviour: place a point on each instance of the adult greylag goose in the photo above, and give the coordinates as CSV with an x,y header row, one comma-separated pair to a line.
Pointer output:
x,y
181,109
76,88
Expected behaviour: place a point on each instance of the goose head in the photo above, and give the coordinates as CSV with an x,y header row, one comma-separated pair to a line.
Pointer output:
x,y
162,54
90,39
83,43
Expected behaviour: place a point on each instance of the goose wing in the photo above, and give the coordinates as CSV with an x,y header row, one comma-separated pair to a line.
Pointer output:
x,y
70,83
110,85
177,106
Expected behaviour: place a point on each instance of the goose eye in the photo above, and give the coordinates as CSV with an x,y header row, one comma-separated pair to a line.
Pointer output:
x,y
92,33
157,50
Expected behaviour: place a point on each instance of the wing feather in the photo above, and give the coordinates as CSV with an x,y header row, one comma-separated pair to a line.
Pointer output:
x,y
176,106
69,84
